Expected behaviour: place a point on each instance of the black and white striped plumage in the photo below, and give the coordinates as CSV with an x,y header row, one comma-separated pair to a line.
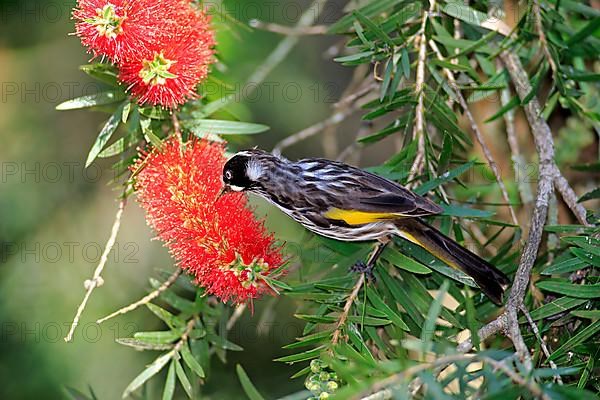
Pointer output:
x,y
345,203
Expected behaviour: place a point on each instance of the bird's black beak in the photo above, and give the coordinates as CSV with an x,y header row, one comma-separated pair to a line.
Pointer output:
x,y
225,189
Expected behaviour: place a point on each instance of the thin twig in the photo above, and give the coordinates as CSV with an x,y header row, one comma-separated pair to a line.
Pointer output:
x,y
545,149
487,331
329,138
552,241
360,92
308,17
146,299
568,195
519,164
345,107
371,262
383,385
332,120
419,128
533,387
237,313
279,53
97,280
382,391
288,30
186,333
537,14
351,149
176,126
347,307
478,134
543,344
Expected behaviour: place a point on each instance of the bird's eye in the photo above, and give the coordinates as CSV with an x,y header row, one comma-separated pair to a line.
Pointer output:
x,y
228,175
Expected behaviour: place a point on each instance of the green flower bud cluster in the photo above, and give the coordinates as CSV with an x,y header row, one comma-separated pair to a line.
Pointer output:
x,y
322,382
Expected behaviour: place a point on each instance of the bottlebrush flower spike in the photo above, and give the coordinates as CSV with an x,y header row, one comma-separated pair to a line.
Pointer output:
x,y
220,243
167,72
122,29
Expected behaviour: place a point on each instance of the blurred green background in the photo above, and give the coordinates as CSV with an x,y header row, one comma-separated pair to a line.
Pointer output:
x,y
55,216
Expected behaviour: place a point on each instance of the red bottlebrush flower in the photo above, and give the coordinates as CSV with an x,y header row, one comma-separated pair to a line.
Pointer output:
x,y
218,241
121,29
168,71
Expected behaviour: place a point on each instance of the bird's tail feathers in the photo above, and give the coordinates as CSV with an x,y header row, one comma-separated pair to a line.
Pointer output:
x,y
490,279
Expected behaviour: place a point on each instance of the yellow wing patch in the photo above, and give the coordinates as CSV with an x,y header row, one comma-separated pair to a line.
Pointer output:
x,y
353,217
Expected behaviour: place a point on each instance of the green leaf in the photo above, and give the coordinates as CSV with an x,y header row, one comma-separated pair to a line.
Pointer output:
x,y
126,111
105,134
247,385
536,81
570,289
465,13
144,345
446,177
169,389
480,44
173,299
106,73
471,318
590,314
330,319
199,127
588,254
173,322
223,343
309,339
405,60
372,8
557,306
122,144
91,100
158,113
514,102
568,265
190,361
578,7
75,394
589,29
445,155
183,379
594,194
428,330
157,337
360,32
422,299
387,79
355,57
465,212
589,244
591,167
379,304
587,371
305,355
374,28
583,335
145,125
148,373
399,260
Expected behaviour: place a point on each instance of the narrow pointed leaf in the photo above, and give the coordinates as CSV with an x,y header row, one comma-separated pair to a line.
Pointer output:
x,y
247,385
148,373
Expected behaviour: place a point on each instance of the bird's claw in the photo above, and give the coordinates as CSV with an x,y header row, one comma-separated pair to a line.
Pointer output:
x,y
363,268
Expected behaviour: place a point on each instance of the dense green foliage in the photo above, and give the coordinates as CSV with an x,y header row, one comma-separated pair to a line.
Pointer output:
x,y
397,335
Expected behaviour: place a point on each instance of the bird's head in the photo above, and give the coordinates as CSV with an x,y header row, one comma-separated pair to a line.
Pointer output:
x,y
243,171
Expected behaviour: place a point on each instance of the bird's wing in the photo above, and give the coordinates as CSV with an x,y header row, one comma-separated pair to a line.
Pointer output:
x,y
359,196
